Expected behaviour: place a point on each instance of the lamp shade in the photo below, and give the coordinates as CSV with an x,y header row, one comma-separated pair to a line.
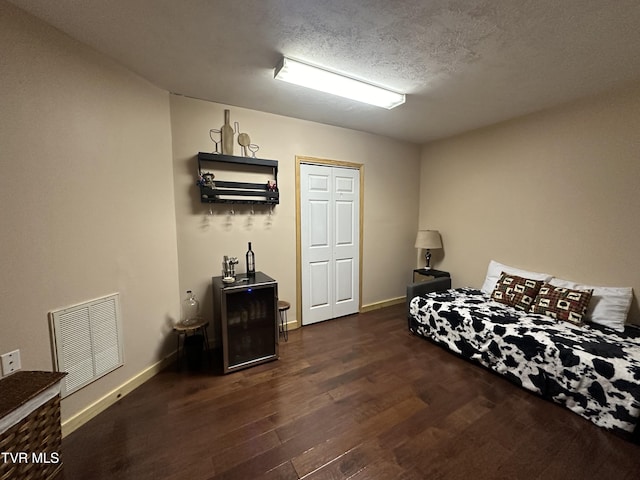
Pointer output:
x,y
428,239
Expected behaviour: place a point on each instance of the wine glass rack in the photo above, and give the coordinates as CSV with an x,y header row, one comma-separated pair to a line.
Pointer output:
x,y
239,192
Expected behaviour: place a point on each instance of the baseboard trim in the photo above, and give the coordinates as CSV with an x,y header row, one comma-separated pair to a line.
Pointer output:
x,y
378,305
292,325
100,405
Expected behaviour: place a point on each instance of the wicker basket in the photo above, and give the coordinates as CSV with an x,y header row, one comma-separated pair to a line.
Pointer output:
x,y
38,433
34,442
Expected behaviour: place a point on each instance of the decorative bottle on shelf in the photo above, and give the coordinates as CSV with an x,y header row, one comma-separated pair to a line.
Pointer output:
x,y
227,134
190,309
251,262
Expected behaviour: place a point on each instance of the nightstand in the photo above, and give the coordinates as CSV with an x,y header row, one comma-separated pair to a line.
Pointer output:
x,y
425,274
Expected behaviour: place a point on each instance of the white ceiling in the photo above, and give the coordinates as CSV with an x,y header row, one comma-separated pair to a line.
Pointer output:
x,y
463,63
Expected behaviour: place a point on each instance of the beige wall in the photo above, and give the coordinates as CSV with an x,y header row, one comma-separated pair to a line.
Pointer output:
x,y
556,191
390,203
86,190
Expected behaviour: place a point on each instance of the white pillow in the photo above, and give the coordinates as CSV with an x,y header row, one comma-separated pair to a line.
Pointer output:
x,y
609,306
495,270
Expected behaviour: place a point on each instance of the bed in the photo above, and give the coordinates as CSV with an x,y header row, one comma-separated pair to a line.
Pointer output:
x,y
590,368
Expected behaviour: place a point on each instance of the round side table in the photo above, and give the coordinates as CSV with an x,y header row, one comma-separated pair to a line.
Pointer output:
x,y
184,331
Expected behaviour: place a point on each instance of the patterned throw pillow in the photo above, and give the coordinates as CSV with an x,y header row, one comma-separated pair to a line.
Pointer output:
x,y
519,292
562,303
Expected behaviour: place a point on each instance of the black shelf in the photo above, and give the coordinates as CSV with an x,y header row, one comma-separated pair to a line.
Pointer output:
x,y
237,192
219,157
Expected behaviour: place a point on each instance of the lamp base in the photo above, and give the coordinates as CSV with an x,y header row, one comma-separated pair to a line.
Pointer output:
x,y
427,257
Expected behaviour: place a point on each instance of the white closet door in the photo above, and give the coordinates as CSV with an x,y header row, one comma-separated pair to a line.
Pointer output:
x,y
346,241
329,205
315,225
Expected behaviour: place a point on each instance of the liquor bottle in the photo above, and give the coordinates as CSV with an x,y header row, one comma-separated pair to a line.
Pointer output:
x,y
251,262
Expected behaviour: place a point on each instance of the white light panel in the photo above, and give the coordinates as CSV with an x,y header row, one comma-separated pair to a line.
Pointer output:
x,y
316,78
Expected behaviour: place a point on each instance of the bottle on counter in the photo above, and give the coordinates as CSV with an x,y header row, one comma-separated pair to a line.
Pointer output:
x,y
251,262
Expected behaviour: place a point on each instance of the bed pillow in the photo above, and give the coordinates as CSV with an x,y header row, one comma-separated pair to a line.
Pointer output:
x,y
562,303
495,270
519,292
609,306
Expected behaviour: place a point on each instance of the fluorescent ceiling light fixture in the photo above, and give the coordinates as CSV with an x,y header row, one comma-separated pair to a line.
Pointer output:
x,y
309,76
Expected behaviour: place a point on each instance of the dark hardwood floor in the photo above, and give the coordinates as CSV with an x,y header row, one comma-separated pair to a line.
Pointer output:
x,y
357,397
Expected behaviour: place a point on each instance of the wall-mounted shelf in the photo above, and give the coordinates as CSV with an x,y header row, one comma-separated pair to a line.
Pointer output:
x,y
239,192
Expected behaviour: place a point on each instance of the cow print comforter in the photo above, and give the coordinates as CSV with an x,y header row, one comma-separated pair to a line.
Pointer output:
x,y
593,371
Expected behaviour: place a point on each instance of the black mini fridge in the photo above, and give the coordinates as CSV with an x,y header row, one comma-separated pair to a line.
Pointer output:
x,y
245,314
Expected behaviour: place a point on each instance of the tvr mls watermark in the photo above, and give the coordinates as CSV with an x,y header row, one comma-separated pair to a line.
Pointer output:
x,y
30,457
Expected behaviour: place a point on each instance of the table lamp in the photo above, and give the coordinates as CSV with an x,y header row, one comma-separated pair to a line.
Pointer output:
x,y
428,239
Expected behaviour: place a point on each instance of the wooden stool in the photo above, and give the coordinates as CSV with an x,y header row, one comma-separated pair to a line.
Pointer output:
x,y
191,328
282,310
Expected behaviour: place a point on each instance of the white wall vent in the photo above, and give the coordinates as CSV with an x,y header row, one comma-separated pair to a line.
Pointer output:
x,y
87,341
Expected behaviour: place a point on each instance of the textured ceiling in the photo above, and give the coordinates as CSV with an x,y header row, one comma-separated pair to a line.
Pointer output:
x,y
463,63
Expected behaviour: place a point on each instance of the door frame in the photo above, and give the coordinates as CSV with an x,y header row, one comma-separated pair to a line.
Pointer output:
x,y
300,159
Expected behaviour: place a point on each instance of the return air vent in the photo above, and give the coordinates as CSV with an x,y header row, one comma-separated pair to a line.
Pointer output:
x,y
87,341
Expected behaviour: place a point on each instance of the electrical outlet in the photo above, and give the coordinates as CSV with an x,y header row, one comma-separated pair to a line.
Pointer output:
x,y
10,362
